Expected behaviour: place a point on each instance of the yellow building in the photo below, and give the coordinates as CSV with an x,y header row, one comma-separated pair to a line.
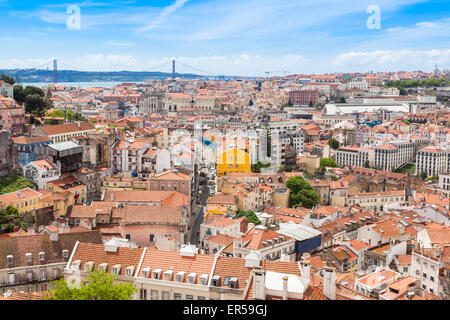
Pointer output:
x,y
233,160
118,184
24,200
61,202
72,185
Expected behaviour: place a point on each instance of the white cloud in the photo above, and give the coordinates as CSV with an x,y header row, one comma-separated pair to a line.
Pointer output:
x,y
389,60
100,62
164,15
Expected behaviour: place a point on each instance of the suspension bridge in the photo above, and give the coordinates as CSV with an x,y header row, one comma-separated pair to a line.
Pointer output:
x,y
171,68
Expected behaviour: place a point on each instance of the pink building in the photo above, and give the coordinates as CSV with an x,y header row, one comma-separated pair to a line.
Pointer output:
x,y
12,116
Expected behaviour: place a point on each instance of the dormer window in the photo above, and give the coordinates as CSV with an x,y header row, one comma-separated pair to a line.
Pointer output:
x,y
89,266
168,275
116,269
180,276
129,271
204,279
234,282
157,274
192,277
216,281
146,272
76,265
103,267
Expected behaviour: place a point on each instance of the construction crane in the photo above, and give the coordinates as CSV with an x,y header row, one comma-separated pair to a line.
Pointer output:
x,y
270,72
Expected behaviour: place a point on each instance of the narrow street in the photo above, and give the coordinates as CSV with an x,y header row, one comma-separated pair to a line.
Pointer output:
x,y
198,211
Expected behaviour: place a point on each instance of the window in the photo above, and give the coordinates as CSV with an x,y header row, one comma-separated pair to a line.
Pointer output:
x,y
424,275
42,256
201,298
29,258
143,294
152,237
65,253
128,237
166,295
29,276
189,297
43,275
177,296
154,295
431,279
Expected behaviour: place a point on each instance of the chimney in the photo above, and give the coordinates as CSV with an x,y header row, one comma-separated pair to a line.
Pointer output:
x,y
329,283
306,270
285,288
112,196
259,287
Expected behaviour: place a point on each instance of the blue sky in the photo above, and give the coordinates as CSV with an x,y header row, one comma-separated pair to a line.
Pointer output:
x,y
233,37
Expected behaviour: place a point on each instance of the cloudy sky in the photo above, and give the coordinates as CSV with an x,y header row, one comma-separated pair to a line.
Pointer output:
x,y
232,37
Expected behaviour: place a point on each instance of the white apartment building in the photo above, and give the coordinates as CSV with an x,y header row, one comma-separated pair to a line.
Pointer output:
x,y
355,156
444,184
41,172
432,160
128,156
362,85
391,156
425,267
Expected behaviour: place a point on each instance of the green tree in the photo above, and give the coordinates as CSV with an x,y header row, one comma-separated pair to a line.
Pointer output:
x,y
30,90
99,286
333,143
250,216
10,218
328,163
7,79
259,165
35,105
19,94
302,194
423,175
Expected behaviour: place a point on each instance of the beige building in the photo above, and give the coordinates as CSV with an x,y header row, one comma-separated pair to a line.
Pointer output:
x,y
65,132
187,275
375,201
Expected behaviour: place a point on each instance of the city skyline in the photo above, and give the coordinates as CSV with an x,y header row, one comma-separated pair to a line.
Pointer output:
x,y
232,38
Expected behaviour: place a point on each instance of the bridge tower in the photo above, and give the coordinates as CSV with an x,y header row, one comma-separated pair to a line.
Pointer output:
x,y
55,71
173,69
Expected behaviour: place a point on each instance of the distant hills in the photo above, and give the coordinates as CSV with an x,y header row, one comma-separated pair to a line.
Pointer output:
x,y
33,75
